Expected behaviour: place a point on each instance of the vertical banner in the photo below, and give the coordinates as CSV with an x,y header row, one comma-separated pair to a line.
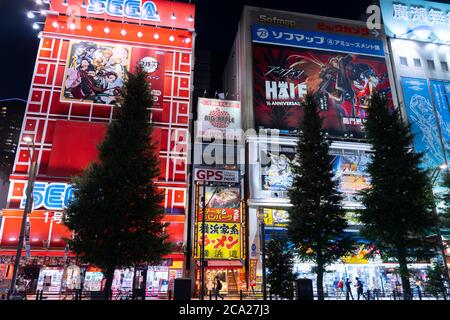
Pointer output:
x,y
441,104
423,121
153,62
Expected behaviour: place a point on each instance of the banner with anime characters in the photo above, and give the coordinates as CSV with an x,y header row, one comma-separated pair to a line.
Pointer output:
x,y
341,82
95,72
276,171
351,172
153,62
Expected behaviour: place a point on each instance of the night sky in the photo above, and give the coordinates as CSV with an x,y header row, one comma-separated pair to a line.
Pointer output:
x,y
216,25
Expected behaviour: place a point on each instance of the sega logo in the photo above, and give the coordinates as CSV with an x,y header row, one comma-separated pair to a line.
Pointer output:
x,y
52,196
125,8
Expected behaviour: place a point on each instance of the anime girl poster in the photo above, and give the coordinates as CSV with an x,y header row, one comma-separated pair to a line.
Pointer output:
x,y
95,72
341,83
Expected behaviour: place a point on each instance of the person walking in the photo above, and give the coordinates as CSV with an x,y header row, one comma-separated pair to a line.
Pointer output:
x,y
348,286
359,288
217,288
340,288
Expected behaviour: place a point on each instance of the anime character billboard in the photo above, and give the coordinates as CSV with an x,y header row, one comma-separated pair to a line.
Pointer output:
x,y
95,72
341,82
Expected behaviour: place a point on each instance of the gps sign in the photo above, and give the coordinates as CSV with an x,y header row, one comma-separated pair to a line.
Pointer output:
x,y
214,175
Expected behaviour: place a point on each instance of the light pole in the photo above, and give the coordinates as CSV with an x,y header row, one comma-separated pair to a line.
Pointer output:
x,y
202,249
434,177
26,211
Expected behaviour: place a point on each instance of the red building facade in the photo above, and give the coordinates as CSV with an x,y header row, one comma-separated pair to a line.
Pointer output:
x,y
66,114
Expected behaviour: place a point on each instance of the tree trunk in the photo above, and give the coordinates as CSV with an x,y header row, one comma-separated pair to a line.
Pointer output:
x,y
404,274
109,275
320,271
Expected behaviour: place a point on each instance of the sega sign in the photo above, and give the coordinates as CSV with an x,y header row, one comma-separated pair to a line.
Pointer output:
x,y
216,175
52,196
132,9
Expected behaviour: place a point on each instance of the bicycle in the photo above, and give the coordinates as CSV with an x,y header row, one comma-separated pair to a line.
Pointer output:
x,y
123,295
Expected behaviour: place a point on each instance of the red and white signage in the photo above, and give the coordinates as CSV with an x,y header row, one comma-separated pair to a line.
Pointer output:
x,y
216,175
218,119
145,12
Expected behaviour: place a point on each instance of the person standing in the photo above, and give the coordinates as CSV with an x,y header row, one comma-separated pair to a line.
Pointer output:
x,y
348,286
340,287
218,287
359,288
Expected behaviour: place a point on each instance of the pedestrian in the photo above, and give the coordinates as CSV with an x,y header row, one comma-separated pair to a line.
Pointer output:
x,y
218,288
359,288
340,287
348,286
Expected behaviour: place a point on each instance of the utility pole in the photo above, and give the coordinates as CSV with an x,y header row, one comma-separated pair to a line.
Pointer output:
x,y
26,211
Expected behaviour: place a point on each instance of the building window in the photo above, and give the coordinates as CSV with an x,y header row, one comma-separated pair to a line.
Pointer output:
x,y
417,63
444,66
403,61
431,64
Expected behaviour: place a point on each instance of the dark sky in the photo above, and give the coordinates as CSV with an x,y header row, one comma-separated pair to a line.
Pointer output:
x,y
216,25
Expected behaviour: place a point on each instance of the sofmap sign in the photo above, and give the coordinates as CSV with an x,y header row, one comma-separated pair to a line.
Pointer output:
x,y
416,20
316,40
125,8
51,196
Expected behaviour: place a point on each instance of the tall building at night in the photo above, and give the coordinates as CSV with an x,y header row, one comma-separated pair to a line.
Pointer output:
x,y
11,117
85,49
418,37
276,58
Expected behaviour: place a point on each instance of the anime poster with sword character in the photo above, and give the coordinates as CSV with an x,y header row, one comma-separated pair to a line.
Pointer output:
x,y
341,82
95,72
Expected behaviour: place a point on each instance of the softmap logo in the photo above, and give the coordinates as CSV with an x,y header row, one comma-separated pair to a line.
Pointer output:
x,y
262,33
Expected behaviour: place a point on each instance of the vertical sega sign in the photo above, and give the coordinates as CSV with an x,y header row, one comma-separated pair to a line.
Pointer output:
x,y
132,9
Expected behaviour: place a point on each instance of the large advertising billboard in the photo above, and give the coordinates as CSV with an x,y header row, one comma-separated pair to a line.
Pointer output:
x,y
421,117
276,169
218,118
441,95
95,72
341,80
351,173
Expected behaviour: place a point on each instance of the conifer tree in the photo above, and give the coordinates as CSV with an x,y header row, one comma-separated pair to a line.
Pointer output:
x,y
317,219
445,215
398,216
117,214
435,284
280,265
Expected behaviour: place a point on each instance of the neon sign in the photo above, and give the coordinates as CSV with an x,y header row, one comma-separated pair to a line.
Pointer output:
x,y
52,196
132,9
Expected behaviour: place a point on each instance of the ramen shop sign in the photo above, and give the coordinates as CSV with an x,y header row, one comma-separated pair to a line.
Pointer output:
x,y
132,9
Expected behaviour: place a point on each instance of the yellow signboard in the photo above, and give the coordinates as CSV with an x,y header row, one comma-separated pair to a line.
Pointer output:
x,y
276,217
222,241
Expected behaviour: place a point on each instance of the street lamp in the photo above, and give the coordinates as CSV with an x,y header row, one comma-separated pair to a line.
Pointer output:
x,y
26,211
434,177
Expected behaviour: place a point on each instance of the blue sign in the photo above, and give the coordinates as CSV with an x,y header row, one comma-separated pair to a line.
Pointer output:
x,y
52,196
124,8
416,20
316,40
442,109
423,121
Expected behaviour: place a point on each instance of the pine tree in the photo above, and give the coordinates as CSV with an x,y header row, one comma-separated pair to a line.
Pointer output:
x,y
398,216
317,219
280,265
435,284
117,214
445,216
